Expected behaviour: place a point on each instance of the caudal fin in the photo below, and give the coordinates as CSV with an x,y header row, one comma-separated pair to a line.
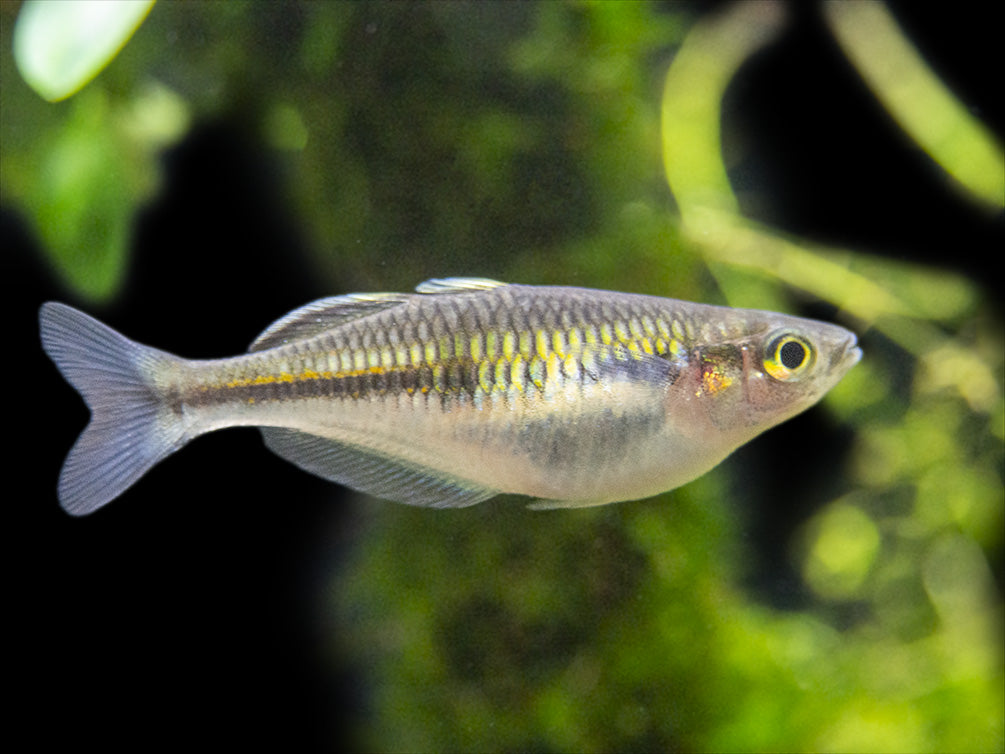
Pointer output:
x,y
131,427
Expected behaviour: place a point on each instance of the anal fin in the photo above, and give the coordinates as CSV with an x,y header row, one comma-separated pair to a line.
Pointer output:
x,y
373,473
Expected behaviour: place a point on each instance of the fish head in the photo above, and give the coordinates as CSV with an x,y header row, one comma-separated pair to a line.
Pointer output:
x,y
767,368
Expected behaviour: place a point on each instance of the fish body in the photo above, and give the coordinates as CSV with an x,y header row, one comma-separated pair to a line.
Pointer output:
x,y
466,389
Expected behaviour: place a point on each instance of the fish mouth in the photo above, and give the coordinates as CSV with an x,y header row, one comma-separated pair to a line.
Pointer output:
x,y
845,353
851,354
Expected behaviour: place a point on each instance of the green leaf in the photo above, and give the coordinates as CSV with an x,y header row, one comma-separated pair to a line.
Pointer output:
x,y
927,110
60,46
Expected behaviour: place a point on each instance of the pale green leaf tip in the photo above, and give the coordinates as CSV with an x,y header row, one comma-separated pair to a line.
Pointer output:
x,y
60,46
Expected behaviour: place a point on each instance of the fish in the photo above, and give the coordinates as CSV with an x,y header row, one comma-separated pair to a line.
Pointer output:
x,y
463,390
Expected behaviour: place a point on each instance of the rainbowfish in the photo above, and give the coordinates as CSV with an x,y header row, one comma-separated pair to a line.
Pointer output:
x,y
466,389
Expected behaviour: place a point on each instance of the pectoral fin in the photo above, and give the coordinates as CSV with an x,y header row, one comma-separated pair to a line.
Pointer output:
x,y
547,505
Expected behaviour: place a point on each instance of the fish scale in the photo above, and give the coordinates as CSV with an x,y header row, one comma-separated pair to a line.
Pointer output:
x,y
449,357
464,390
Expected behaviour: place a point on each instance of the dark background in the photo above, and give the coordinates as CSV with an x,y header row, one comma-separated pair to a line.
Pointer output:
x,y
193,593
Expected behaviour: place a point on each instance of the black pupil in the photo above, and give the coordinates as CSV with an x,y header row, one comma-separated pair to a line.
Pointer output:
x,y
792,355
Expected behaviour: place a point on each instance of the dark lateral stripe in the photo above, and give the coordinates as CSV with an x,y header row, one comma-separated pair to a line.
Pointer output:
x,y
452,378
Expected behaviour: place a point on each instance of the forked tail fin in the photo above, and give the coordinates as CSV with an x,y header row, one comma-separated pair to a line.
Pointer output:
x,y
131,427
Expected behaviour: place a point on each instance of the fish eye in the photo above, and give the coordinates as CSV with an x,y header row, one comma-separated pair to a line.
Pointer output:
x,y
787,356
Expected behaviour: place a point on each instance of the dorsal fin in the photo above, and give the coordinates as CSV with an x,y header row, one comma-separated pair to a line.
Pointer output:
x,y
457,285
324,314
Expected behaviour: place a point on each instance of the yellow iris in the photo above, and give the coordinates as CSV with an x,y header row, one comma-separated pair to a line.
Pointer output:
x,y
787,357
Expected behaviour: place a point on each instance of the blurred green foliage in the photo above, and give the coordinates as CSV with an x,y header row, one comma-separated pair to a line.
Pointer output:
x,y
59,48
538,158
